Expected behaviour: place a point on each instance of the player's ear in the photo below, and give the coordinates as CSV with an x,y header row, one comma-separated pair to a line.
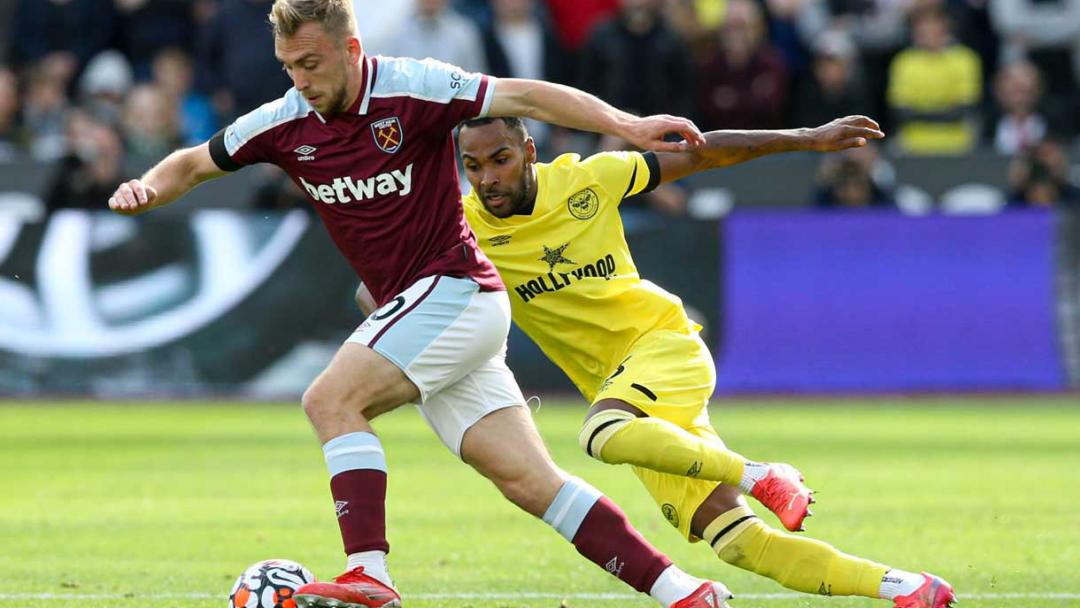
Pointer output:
x,y
354,49
530,150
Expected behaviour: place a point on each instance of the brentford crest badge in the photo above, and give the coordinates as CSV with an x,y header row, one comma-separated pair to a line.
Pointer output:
x,y
583,204
388,134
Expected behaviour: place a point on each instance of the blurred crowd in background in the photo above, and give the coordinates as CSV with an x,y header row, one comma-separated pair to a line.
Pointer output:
x,y
103,88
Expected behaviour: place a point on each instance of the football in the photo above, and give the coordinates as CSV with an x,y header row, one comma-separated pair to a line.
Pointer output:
x,y
269,584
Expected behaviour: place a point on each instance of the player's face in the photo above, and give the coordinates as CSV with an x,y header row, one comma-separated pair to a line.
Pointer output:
x,y
322,67
500,167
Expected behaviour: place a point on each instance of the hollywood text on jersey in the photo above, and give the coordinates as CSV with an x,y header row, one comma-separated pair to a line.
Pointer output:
x,y
603,268
349,190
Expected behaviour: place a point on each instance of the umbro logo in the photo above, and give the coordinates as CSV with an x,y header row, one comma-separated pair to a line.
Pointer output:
x,y
341,507
305,152
500,240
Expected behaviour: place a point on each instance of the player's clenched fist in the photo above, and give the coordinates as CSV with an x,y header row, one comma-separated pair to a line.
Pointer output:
x,y
132,197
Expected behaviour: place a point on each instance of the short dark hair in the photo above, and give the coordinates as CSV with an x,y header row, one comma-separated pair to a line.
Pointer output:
x,y
512,122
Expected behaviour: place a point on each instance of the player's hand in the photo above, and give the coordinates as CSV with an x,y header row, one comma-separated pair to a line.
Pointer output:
x,y
132,197
844,133
649,132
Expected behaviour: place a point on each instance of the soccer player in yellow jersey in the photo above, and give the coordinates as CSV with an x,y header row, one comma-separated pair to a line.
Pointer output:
x,y
554,233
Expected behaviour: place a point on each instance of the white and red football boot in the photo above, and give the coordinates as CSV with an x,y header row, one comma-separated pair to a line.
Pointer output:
x,y
709,595
782,491
354,589
934,593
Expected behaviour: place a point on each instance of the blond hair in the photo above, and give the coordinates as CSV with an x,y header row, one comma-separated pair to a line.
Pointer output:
x,y
335,16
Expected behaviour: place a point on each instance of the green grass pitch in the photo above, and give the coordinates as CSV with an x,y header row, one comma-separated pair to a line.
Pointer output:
x,y
126,504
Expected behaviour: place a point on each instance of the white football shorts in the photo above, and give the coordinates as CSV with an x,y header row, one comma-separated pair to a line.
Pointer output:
x,y
449,338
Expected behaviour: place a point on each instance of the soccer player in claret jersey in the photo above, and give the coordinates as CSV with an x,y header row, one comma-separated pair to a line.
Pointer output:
x,y
370,140
554,232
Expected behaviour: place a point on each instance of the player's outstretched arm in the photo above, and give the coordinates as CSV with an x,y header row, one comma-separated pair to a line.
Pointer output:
x,y
724,148
168,180
575,109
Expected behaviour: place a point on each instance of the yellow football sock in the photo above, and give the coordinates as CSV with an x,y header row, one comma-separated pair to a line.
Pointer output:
x,y
618,437
796,562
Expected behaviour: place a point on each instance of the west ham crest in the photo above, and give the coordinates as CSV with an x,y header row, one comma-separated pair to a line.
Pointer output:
x,y
388,134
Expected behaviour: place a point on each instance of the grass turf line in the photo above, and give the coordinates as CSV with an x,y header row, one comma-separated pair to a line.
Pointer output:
x,y
113,499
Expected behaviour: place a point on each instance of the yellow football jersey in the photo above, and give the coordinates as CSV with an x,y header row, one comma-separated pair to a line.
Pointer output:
x,y
573,285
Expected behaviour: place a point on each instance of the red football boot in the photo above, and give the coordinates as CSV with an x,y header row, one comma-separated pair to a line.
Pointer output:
x,y
709,595
354,589
934,593
783,492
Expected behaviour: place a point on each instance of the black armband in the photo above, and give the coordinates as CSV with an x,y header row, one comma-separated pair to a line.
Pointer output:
x,y
654,171
220,154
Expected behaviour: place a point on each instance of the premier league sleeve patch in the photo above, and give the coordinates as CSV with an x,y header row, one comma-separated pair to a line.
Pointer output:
x,y
388,134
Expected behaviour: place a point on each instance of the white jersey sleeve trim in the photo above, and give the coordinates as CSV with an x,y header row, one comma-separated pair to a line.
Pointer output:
x,y
289,107
426,80
489,96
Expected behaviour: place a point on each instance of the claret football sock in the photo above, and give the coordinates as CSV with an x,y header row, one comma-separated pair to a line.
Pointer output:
x,y
600,532
741,539
357,468
618,437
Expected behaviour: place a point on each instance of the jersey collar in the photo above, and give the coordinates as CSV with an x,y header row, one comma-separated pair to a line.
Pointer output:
x,y
367,72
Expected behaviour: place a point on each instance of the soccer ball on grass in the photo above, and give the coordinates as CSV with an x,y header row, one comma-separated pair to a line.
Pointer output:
x,y
269,584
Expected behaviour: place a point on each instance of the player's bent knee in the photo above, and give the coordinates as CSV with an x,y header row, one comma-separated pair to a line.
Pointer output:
x,y
599,428
313,402
322,399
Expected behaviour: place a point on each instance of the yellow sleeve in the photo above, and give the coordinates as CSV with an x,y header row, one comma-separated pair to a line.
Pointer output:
x,y
623,174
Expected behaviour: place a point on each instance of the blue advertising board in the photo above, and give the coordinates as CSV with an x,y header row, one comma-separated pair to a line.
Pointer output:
x,y
880,302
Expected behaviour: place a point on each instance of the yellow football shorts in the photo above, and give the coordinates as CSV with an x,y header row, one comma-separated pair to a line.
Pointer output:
x,y
670,374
